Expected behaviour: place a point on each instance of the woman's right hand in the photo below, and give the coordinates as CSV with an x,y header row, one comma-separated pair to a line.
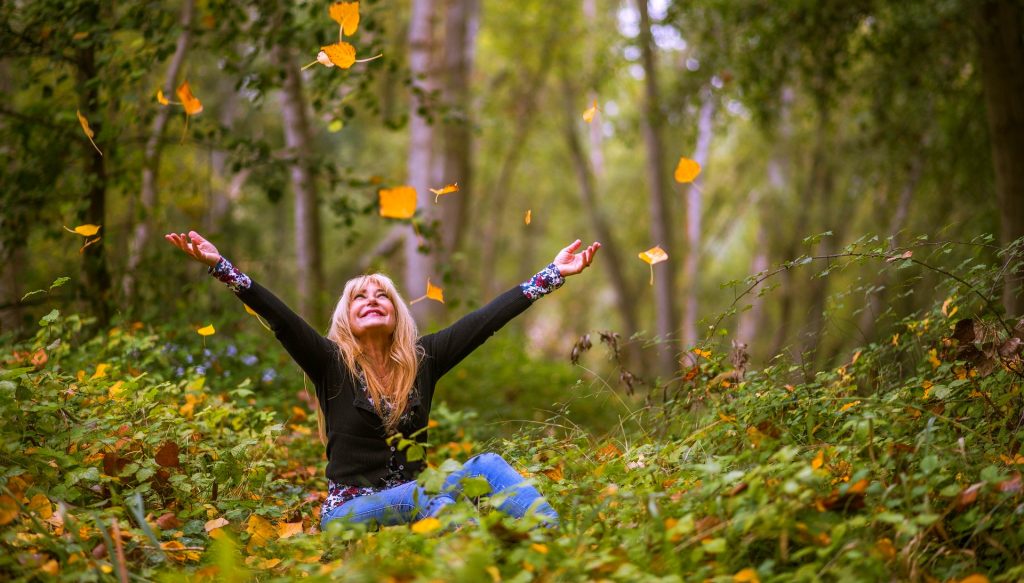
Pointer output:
x,y
195,246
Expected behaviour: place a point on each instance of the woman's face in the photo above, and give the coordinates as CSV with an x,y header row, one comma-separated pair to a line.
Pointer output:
x,y
371,312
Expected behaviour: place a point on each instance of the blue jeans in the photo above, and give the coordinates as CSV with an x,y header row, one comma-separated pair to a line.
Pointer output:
x,y
409,502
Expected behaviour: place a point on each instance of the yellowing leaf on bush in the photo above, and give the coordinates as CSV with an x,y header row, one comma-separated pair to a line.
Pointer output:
x,y
346,14
588,115
540,548
445,190
398,202
849,406
86,230
426,525
933,358
748,575
287,529
819,460
116,391
528,217
188,101
88,130
101,371
702,353
885,546
687,170
261,530
207,330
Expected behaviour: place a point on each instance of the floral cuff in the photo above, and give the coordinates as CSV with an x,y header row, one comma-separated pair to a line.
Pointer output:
x,y
546,281
230,275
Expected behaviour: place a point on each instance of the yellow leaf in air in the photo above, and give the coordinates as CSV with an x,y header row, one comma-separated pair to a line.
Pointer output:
x,y
101,371
207,330
160,97
748,575
88,130
398,202
434,292
287,529
653,255
528,217
687,170
588,115
426,525
189,101
346,14
446,190
341,54
819,460
84,230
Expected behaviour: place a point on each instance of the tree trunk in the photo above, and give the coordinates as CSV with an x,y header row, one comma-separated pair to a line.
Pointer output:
x,y
299,143
419,263
463,21
612,256
705,128
750,320
1001,51
660,213
151,158
96,275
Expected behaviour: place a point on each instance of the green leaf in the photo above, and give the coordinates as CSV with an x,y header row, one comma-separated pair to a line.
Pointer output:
x,y
475,486
50,318
59,282
32,294
414,452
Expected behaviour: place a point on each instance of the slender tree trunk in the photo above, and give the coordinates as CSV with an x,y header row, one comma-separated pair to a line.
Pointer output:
x,y
96,275
463,21
299,142
705,130
750,320
1001,44
661,233
612,254
419,263
151,158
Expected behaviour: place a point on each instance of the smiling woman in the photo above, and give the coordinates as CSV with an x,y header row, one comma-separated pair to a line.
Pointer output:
x,y
375,379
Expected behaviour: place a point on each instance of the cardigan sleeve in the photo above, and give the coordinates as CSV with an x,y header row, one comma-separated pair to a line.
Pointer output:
x,y
306,346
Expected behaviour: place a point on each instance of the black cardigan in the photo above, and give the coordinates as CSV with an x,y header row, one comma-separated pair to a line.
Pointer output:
x,y
357,453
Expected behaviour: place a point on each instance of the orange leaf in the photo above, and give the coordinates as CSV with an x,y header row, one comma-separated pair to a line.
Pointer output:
x,y
101,371
287,529
540,548
341,54
446,190
654,255
261,530
819,460
398,202
160,97
41,505
588,115
207,330
88,130
975,578
687,170
189,101
84,230
167,455
858,487
179,553
748,575
528,217
434,292
8,509
346,14
426,525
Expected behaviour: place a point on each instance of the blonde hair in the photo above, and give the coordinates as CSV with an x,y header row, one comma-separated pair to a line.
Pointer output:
x,y
403,354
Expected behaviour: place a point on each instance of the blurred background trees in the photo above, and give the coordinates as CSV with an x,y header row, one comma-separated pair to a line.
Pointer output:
x,y
817,124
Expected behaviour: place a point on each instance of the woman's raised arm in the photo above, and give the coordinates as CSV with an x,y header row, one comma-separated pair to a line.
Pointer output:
x,y
306,346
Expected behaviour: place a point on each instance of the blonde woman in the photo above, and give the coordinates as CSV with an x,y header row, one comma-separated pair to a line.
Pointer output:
x,y
375,379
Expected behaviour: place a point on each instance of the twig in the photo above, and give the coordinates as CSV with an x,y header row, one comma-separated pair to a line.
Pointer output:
x,y
122,568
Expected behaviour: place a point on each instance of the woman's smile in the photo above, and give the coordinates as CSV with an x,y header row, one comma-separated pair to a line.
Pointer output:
x,y
371,310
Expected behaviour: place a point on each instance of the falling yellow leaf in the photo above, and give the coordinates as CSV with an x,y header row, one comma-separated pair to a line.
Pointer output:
x,y
426,525
687,170
653,255
88,130
748,575
346,14
398,202
84,230
434,292
160,97
341,54
446,190
528,217
189,101
206,330
819,460
588,115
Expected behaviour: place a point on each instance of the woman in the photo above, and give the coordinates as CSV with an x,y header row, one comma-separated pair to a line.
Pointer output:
x,y
375,380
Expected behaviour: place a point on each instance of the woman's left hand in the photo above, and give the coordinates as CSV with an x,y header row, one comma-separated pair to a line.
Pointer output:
x,y
569,262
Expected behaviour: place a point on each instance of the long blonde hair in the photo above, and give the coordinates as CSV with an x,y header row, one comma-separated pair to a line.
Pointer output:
x,y
390,395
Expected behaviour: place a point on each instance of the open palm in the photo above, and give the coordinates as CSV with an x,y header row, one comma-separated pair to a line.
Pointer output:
x,y
195,246
569,262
